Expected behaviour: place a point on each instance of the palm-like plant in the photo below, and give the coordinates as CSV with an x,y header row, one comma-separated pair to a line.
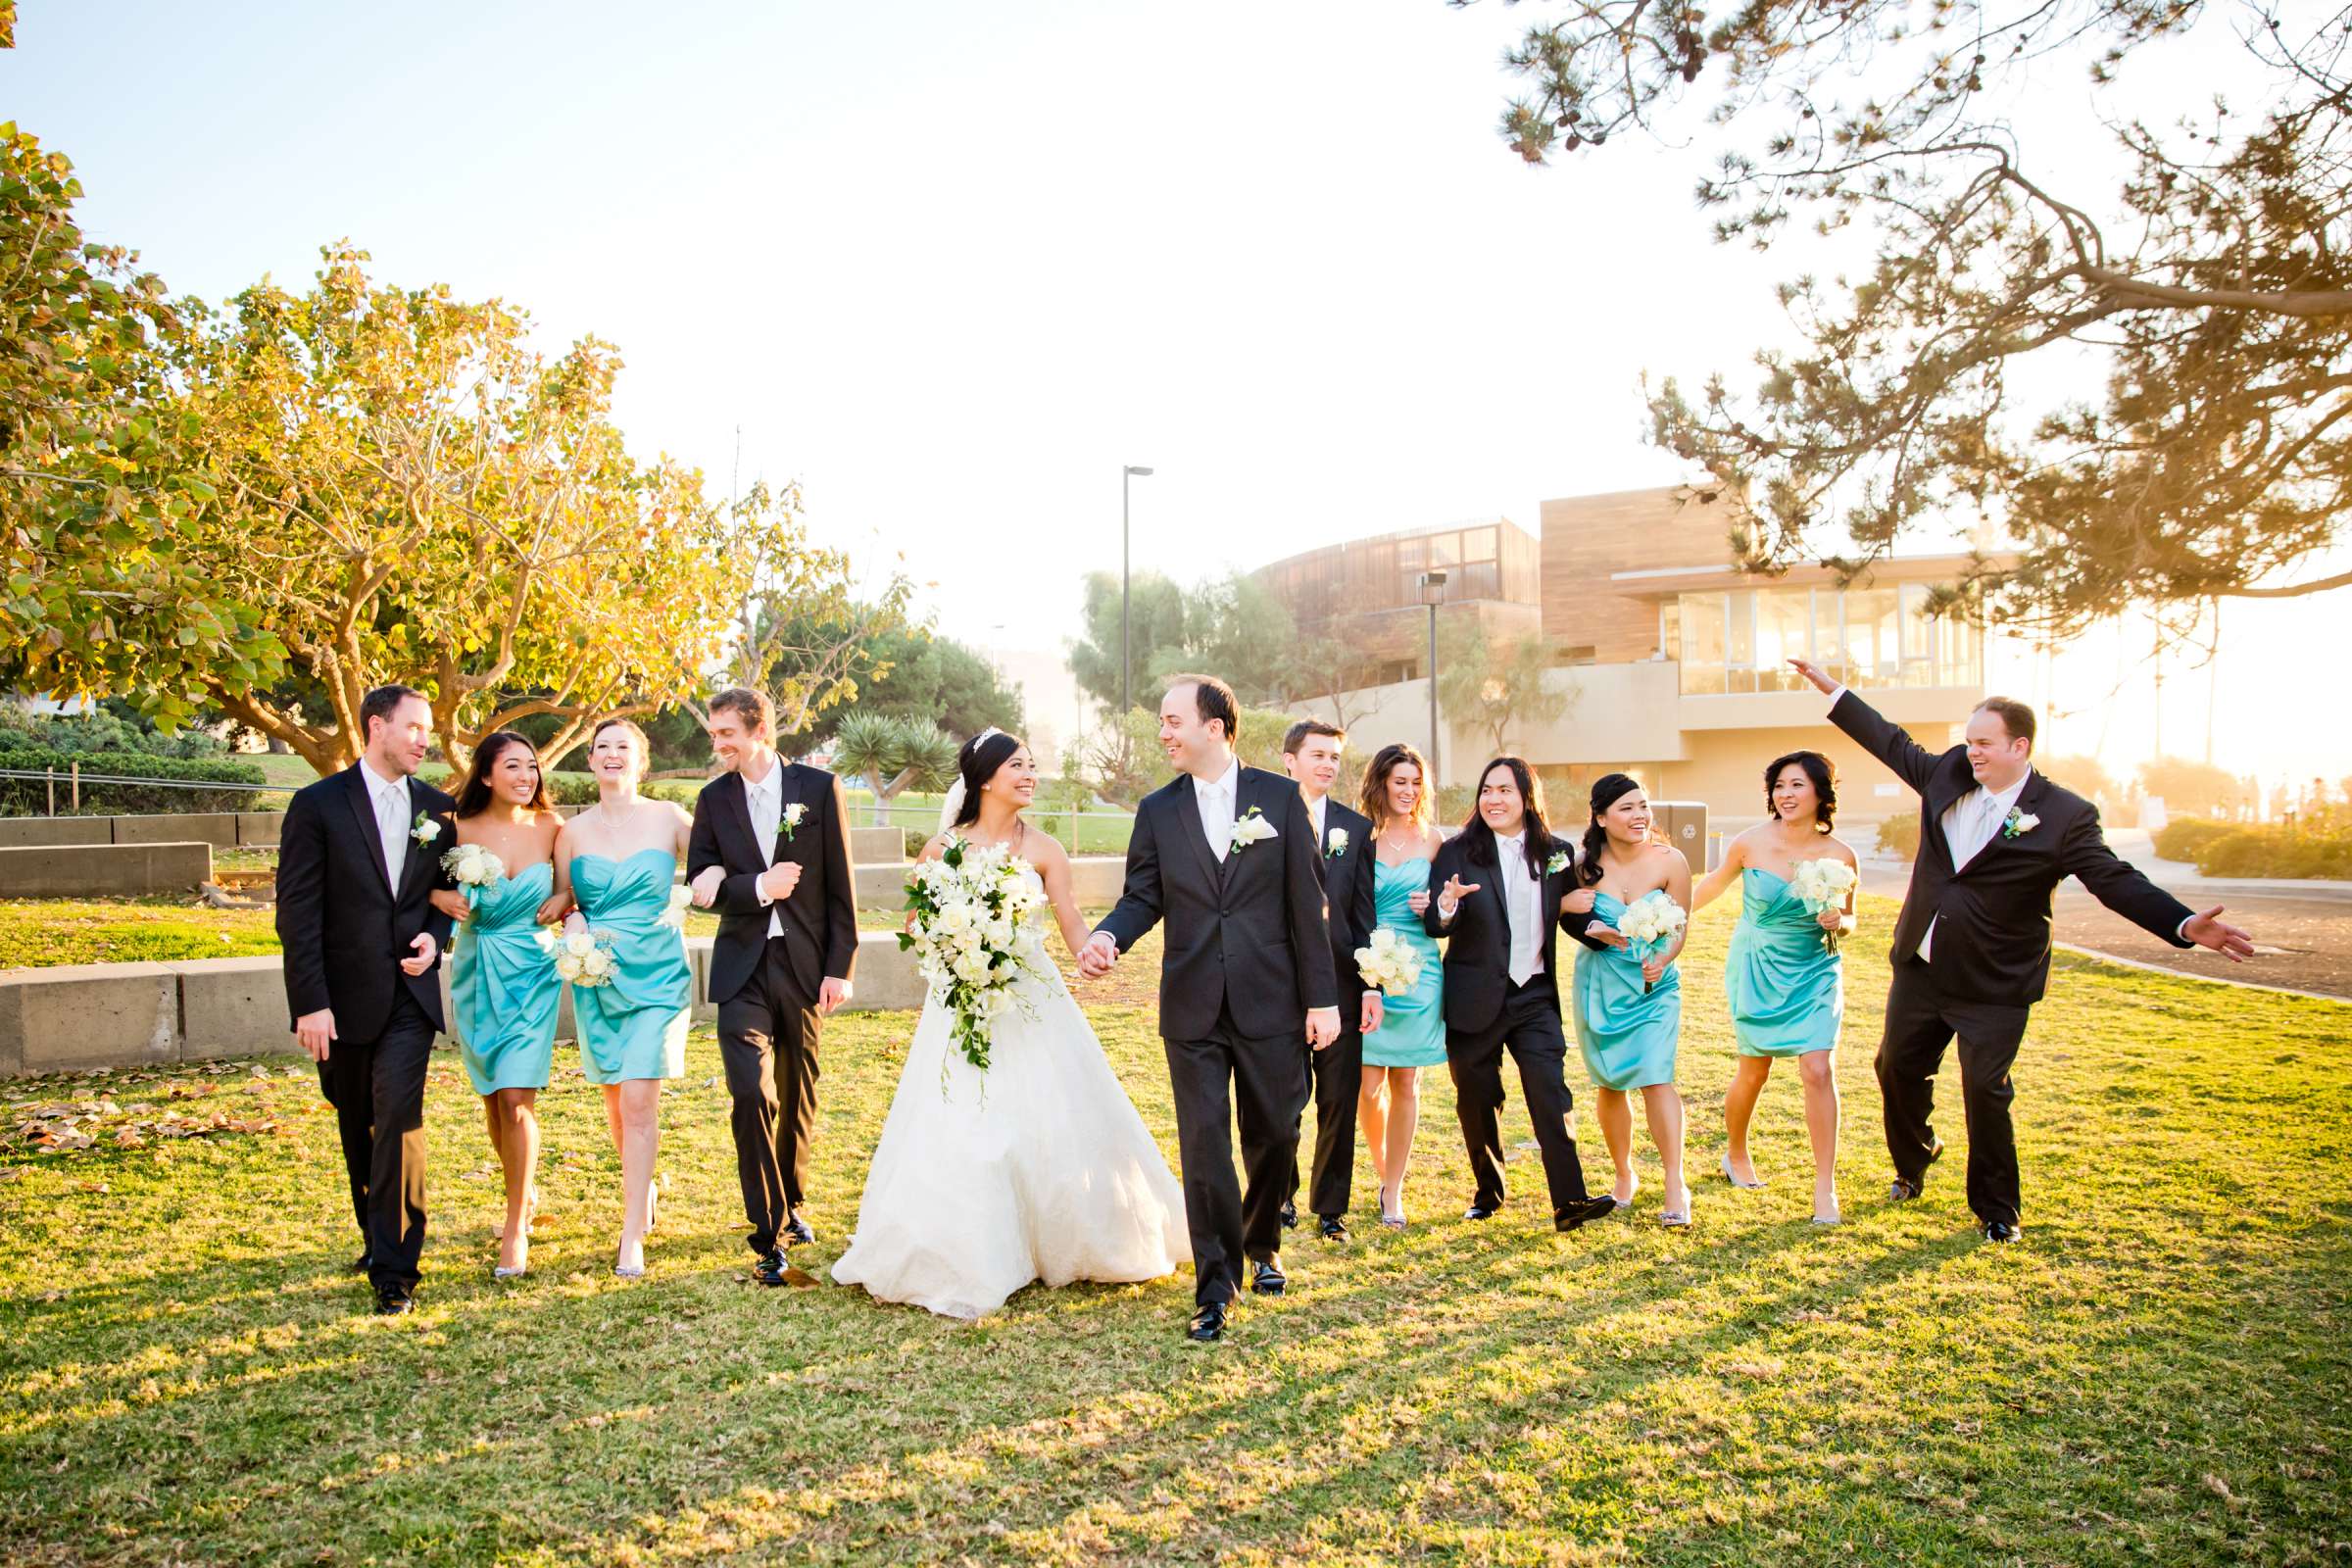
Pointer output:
x,y
891,755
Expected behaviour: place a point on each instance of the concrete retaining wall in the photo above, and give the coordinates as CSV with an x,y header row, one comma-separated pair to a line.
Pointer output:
x,y
103,871
84,1016
222,830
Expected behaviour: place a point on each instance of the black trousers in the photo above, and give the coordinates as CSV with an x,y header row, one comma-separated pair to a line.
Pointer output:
x,y
1920,1020
377,1088
767,1039
1264,1079
1529,1028
1338,1071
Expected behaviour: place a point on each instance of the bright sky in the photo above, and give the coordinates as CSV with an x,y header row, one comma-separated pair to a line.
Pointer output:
x,y
952,266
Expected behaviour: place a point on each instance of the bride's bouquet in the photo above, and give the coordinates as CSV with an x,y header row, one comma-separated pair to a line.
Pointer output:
x,y
1822,886
1389,963
1650,925
582,958
976,934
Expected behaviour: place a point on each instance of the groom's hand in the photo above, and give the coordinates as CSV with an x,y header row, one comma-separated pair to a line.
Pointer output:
x,y
2207,931
313,1030
831,995
706,886
1812,673
1096,959
1322,1027
421,954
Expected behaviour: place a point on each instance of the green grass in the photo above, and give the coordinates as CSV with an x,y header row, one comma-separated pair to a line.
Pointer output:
x,y
2157,1373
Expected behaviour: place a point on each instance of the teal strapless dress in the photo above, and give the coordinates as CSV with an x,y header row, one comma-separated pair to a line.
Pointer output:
x,y
1785,988
1412,1027
1627,1037
634,1027
503,986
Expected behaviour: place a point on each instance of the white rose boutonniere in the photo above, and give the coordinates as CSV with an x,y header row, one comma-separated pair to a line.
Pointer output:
x,y
425,829
2019,822
1250,829
1335,843
1557,863
792,817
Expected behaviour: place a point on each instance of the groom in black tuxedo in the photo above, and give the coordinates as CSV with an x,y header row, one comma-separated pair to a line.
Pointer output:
x,y
1310,753
1972,946
1226,856
358,856
770,851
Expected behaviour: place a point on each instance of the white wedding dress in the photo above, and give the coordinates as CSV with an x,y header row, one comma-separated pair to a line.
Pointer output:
x,y
1037,1169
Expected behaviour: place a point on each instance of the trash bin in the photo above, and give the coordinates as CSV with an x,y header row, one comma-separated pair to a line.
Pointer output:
x,y
1683,824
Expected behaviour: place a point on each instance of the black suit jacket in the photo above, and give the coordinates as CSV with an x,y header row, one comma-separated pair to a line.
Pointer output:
x,y
1250,934
344,927
1478,944
819,919
1347,900
1992,916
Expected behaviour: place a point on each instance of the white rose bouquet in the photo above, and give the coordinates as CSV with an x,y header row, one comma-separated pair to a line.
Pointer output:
x,y
1650,925
1821,885
583,957
1389,963
473,869
680,897
977,930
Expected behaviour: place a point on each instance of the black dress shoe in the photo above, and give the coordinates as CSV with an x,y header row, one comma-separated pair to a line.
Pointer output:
x,y
1334,1227
361,1263
1478,1211
797,1234
1208,1324
1290,1216
391,1302
774,1270
2000,1230
1584,1214
1902,1190
1266,1277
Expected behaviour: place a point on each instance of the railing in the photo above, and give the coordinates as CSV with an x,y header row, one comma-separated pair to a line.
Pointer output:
x,y
1080,831
74,778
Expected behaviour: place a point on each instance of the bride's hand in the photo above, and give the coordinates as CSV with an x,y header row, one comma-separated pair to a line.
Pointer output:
x,y
1096,959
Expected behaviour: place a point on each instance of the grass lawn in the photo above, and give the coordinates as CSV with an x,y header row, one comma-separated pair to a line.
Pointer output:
x,y
2157,1373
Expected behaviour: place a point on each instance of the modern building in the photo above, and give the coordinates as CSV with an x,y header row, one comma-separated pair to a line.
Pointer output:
x,y
1672,661
1368,592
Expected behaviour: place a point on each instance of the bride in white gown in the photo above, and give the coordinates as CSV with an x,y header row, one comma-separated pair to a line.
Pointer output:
x,y
1037,1169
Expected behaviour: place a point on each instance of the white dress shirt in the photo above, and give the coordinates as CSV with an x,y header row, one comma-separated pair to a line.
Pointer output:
x,y
390,798
1218,808
1522,893
1315,813
766,802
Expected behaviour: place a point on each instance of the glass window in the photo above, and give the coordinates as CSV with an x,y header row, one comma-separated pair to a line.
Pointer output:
x,y
1478,544
1444,549
1874,637
1410,553
1478,580
1784,631
1739,631
1670,628
1702,653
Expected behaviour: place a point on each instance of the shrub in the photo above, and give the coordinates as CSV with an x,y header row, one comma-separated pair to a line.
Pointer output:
x,y
29,797
2286,852
1900,834
2185,837
98,733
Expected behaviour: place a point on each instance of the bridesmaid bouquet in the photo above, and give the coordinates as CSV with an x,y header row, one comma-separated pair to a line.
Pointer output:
x,y
675,915
1650,923
472,868
582,958
974,929
1822,886
1390,963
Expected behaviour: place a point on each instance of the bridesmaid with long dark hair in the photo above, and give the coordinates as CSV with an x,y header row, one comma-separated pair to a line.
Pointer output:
x,y
1629,1007
502,983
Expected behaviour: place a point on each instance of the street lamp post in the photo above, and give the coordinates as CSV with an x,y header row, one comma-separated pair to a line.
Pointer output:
x,y
1433,594
1126,633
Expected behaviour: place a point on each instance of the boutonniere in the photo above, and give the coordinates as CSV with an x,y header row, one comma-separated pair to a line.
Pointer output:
x,y
1251,828
1557,863
2019,822
792,817
1335,843
425,829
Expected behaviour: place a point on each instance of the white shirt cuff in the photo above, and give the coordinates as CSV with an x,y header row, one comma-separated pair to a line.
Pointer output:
x,y
759,890
1834,695
2182,930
